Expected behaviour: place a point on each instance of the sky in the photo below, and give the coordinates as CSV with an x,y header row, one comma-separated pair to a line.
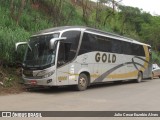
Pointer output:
x,y
151,6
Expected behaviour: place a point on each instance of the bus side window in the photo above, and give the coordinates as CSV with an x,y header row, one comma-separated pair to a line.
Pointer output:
x,y
86,44
137,50
126,48
116,46
63,54
72,38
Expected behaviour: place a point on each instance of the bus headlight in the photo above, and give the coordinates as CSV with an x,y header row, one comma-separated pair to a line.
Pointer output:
x,y
48,74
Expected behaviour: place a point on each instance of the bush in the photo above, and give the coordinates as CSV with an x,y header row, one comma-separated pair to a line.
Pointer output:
x,y
156,57
10,33
8,38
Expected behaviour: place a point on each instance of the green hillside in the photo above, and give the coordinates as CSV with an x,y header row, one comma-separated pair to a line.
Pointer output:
x,y
21,18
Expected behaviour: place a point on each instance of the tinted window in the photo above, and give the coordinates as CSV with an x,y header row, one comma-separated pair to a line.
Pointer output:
x,y
86,44
72,38
137,50
126,48
104,44
64,51
141,51
91,42
116,46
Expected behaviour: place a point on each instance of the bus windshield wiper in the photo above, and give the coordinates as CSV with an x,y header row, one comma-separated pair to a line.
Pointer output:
x,y
29,47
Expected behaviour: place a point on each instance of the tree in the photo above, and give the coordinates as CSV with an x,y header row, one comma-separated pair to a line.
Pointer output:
x,y
85,10
131,17
110,8
17,16
150,32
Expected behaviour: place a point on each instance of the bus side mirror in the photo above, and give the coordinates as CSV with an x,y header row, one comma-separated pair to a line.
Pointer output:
x,y
52,42
18,44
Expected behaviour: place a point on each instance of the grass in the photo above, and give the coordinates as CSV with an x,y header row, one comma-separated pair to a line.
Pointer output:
x,y
10,33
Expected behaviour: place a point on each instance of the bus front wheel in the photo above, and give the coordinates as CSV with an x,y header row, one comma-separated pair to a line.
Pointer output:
x,y
82,82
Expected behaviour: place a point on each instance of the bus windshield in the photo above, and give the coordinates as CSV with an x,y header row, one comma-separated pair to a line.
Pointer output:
x,y
38,55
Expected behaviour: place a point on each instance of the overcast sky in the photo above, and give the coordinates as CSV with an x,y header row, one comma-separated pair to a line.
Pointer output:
x,y
151,6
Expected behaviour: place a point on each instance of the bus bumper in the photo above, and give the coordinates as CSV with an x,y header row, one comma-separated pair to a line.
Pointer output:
x,y
40,82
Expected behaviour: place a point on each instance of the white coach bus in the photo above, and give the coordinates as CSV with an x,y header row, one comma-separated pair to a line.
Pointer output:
x,y
81,56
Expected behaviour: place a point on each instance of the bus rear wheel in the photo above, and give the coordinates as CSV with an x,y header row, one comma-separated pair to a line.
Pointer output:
x,y
139,78
82,82
152,77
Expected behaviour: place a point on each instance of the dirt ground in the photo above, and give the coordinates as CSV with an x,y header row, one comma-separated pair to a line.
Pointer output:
x,y
10,81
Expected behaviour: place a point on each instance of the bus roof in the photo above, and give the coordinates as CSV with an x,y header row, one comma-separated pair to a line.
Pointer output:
x,y
62,28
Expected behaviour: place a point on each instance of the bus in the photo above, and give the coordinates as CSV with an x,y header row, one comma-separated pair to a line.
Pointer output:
x,y
82,56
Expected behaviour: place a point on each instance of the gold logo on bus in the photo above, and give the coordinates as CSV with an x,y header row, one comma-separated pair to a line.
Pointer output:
x,y
110,58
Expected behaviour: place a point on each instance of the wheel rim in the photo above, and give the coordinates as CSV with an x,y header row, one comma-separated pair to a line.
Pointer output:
x,y
82,82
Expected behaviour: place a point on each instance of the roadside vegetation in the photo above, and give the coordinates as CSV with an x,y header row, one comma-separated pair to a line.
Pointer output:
x,y
22,18
10,81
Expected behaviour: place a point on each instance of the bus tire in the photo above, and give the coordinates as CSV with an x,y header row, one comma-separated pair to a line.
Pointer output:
x,y
139,77
82,82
